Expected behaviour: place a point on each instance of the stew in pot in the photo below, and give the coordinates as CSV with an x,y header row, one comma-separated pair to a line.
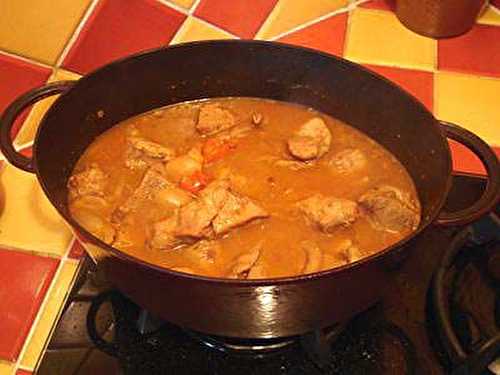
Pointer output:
x,y
242,188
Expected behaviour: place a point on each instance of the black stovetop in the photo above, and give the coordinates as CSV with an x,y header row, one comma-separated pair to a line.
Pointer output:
x,y
400,335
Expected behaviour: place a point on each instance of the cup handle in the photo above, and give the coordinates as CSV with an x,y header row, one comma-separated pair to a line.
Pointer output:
x,y
490,161
14,110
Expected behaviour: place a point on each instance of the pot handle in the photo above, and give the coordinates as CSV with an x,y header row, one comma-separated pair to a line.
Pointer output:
x,y
490,161
14,110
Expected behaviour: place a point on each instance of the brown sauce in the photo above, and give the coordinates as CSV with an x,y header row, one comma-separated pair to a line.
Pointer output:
x,y
260,168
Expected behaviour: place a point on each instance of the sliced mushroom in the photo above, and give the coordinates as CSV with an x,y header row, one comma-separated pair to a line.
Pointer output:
x,y
350,252
314,257
244,263
257,118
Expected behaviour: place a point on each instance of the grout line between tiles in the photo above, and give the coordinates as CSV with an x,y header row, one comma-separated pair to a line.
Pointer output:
x,y
216,27
179,30
434,95
316,20
26,59
22,146
76,33
347,33
436,55
194,7
38,317
18,146
270,17
20,367
63,260
174,6
40,253
188,15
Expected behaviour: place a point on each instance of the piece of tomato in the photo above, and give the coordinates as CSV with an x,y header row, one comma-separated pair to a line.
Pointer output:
x,y
194,183
215,149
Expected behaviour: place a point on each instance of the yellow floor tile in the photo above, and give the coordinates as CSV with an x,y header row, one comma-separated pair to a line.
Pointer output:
x,y
288,14
183,3
28,130
6,368
490,16
49,315
28,220
40,29
193,29
377,37
469,101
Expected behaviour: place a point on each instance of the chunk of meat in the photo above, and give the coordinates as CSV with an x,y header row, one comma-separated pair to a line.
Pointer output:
x,y
185,166
152,182
140,152
91,181
389,209
213,118
245,262
348,160
173,196
314,257
216,193
236,211
216,211
195,218
162,235
311,141
328,212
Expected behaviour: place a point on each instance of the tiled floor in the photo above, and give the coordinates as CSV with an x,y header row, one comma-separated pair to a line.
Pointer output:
x,y
458,79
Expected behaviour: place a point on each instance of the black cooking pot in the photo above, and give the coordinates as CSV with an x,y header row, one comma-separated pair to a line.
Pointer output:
x,y
247,308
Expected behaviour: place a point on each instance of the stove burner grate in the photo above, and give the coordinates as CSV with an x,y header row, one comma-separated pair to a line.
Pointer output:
x,y
471,248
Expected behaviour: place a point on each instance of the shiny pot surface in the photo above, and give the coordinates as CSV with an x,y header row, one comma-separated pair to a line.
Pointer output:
x,y
246,308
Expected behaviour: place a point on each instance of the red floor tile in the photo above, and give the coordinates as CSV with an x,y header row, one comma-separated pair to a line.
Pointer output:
x,y
477,51
117,28
77,250
417,83
17,77
327,35
28,277
465,161
380,4
240,17
27,151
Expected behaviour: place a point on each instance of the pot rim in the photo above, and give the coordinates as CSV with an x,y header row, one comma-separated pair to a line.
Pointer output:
x,y
245,282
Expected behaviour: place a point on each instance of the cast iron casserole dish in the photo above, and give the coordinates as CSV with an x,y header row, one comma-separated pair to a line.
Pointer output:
x,y
248,308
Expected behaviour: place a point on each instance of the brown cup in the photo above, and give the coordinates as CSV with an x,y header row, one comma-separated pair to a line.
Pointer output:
x,y
439,18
